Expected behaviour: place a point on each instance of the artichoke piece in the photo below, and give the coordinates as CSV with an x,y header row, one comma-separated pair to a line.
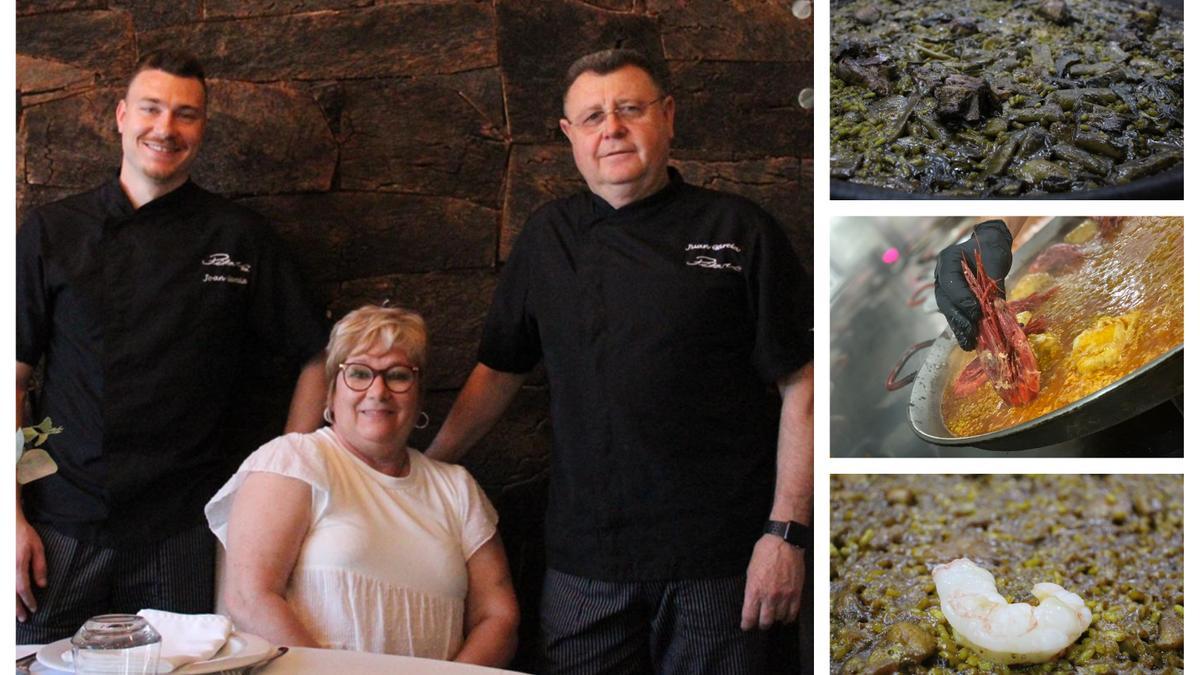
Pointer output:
x,y
935,129
1055,10
1040,53
873,73
964,25
897,125
964,98
1094,69
994,127
1125,92
1077,157
1145,15
1068,98
1170,632
844,166
904,644
1098,143
1064,62
1137,168
867,15
1046,115
999,160
1105,119
1035,139
1008,187
1037,170
1087,69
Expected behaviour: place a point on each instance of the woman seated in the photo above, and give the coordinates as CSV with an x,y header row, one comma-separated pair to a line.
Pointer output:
x,y
346,538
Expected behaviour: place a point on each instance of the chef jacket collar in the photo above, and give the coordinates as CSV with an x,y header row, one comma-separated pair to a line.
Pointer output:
x,y
118,207
602,209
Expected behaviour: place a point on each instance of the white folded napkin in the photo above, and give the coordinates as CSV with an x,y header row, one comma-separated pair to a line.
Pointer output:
x,y
187,638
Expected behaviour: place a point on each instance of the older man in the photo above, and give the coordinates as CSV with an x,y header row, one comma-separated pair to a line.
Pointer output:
x,y
680,493
140,297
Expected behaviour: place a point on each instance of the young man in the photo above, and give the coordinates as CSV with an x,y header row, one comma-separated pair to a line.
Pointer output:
x,y
663,312
141,297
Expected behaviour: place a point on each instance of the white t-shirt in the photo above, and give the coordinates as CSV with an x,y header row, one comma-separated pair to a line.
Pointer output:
x,y
383,568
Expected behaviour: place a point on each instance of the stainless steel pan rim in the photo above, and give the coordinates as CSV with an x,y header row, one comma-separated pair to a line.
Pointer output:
x,y
1165,185
1148,386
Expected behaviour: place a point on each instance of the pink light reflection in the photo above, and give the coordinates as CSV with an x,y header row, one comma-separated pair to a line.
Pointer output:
x,y
891,255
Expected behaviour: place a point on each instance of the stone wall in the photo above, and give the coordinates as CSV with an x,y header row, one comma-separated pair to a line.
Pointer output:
x,y
399,145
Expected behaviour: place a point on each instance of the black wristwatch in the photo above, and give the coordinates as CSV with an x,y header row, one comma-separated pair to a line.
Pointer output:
x,y
790,531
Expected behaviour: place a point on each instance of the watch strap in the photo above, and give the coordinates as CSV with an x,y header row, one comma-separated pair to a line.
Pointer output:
x,y
794,533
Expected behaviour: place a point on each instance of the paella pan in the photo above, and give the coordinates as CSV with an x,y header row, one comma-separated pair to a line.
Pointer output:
x,y
1109,336
1115,541
994,98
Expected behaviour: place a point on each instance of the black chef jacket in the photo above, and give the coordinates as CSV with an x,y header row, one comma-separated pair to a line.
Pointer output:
x,y
663,326
143,317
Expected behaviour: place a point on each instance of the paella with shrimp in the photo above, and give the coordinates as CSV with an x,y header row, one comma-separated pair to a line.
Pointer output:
x,y
1089,310
1097,558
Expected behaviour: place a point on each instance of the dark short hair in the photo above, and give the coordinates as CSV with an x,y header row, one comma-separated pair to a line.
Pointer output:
x,y
177,63
610,60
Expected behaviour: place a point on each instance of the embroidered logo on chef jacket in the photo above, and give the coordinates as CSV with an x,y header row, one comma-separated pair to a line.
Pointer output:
x,y
226,269
723,256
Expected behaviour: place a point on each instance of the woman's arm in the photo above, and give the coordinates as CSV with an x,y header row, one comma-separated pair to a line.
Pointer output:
x,y
267,525
491,615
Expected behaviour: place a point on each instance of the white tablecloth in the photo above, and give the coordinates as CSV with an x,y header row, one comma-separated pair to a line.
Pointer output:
x,y
334,662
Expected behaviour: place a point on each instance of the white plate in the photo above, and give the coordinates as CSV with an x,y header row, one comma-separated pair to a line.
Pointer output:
x,y
241,649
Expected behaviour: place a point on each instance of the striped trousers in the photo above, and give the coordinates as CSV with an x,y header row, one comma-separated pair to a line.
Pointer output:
x,y
83,580
687,627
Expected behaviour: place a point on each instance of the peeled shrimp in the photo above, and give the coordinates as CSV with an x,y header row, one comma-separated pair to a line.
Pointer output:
x,y
1004,633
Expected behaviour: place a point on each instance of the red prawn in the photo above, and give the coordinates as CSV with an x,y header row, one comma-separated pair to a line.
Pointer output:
x,y
1109,226
973,376
1005,355
1031,302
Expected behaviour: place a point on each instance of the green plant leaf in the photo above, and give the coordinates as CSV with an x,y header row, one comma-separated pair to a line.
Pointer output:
x,y
47,427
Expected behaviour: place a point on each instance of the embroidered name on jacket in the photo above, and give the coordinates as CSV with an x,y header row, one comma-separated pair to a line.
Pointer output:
x,y
723,256
221,261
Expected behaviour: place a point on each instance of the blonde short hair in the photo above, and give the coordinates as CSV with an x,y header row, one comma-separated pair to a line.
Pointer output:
x,y
371,325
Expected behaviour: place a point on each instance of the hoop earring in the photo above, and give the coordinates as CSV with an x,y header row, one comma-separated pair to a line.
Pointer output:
x,y
328,415
422,424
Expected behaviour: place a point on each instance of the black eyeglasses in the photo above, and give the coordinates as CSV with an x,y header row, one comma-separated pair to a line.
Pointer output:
x,y
359,377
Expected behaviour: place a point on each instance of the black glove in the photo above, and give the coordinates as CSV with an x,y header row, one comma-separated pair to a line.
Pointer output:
x,y
954,297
